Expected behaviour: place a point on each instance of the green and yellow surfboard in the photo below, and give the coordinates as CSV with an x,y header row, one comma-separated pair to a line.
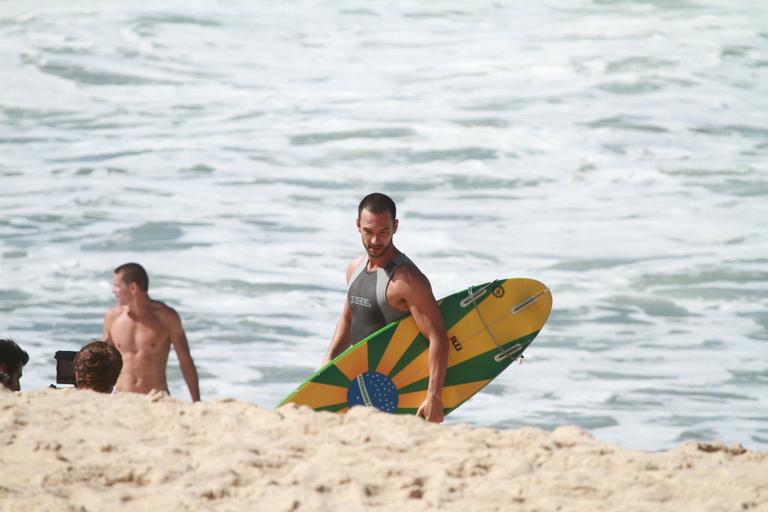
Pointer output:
x,y
488,325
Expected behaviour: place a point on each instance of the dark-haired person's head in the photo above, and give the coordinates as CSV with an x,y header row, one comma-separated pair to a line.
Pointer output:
x,y
377,223
133,273
130,280
377,203
97,367
12,361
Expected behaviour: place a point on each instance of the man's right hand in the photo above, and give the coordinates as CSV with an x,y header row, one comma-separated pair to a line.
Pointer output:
x,y
432,409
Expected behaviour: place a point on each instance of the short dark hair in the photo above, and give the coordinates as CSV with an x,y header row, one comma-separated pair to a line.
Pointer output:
x,y
377,203
97,367
12,355
134,273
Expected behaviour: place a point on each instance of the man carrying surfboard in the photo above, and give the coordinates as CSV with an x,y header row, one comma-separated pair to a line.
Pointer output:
x,y
384,286
143,330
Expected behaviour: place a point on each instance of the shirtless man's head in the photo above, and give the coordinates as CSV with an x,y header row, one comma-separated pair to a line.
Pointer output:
x,y
129,281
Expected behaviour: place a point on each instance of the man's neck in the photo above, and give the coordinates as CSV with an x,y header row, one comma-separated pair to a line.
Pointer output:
x,y
382,260
139,307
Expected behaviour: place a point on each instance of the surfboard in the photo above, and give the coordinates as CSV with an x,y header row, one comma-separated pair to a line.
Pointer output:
x,y
488,325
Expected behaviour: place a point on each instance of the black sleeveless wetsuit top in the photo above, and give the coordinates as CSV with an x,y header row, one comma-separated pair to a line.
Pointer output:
x,y
367,295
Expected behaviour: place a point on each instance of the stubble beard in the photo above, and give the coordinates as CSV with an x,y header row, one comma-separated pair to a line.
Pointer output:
x,y
375,253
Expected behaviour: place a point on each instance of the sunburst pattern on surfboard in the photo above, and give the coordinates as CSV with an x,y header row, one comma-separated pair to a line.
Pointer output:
x,y
488,325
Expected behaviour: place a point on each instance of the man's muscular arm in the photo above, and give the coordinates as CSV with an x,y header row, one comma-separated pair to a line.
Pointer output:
x,y
181,346
109,318
413,288
341,336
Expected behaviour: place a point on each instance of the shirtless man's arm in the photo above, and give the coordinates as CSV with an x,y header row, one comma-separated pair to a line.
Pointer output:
x,y
181,346
410,288
109,318
341,336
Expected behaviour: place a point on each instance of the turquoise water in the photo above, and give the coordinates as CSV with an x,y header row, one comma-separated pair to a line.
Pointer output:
x,y
615,150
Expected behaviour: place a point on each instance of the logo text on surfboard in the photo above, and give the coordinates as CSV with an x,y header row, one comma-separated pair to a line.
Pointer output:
x,y
456,343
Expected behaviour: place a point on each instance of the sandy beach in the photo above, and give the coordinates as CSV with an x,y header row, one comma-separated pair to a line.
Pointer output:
x,y
78,450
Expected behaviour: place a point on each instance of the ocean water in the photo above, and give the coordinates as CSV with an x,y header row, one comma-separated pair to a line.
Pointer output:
x,y
614,150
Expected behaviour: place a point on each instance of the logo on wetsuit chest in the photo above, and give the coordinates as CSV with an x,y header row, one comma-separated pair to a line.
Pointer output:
x,y
360,301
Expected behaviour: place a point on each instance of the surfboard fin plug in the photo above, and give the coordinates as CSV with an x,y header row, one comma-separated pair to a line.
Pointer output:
x,y
507,353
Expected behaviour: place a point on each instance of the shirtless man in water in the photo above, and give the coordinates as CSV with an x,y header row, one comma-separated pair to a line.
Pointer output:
x,y
143,330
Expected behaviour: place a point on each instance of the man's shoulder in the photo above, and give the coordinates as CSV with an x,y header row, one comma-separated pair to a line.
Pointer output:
x,y
353,264
409,284
114,312
164,311
356,261
408,270
409,275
